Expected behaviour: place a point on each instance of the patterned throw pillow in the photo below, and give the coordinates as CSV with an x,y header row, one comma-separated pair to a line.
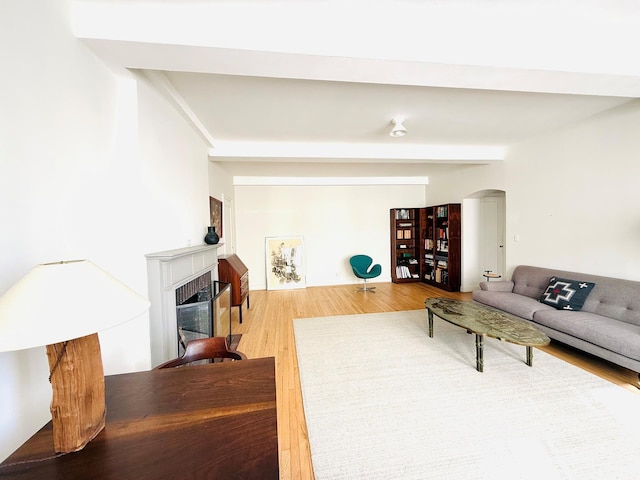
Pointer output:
x,y
566,294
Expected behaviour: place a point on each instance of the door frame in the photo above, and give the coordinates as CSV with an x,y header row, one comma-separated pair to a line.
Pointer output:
x,y
472,263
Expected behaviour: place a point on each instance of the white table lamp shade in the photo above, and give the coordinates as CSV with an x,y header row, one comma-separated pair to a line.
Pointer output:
x,y
62,301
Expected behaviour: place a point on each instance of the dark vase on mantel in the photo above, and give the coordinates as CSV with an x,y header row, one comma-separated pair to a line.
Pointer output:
x,y
211,238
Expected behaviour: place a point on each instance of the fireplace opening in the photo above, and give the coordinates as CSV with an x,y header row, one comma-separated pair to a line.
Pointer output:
x,y
203,309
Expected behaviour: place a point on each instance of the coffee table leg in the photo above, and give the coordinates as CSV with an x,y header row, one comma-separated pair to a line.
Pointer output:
x,y
479,353
530,356
430,317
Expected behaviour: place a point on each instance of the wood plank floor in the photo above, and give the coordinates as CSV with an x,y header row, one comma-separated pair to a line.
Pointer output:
x,y
267,330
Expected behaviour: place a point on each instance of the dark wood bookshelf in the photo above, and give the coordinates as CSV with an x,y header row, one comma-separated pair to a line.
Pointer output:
x,y
405,235
440,246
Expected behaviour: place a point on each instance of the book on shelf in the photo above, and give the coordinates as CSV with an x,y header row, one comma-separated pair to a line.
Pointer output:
x,y
442,275
405,224
443,246
402,271
399,234
407,235
402,214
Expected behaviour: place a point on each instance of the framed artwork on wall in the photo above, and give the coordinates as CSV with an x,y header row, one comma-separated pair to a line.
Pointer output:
x,y
285,262
215,212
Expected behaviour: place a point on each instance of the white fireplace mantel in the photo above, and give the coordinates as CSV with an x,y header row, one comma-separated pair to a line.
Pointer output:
x,y
166,271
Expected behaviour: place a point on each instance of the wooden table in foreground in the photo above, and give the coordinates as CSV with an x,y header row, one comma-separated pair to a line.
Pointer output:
x,y
210,421
483,320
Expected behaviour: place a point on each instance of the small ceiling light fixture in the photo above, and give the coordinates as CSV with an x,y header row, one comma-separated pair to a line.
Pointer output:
x,y
398,130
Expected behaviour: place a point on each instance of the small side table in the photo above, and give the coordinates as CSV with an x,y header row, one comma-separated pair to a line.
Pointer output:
x,y
488,274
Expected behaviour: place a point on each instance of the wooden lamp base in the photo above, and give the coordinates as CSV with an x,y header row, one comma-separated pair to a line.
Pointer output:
x,y
77,379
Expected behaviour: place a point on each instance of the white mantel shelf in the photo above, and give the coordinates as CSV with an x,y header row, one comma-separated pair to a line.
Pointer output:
x,y
168,255
166,271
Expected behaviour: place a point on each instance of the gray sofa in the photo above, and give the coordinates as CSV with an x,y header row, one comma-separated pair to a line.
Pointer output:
x,y
608,325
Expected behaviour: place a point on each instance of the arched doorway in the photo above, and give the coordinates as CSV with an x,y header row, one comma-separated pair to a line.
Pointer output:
x,y
483,233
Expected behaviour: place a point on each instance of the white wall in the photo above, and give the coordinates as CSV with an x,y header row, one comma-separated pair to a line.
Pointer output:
x,y
335,221
572,197
174,175
571,200
80,179
471,265
221,187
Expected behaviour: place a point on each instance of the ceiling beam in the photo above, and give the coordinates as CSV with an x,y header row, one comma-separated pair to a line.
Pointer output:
x,y
326,181
548,46
350,152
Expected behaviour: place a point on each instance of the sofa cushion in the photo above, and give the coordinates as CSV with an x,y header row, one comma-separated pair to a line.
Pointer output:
x,y
512,303
566,294
616,336
531,281
499,286
611,297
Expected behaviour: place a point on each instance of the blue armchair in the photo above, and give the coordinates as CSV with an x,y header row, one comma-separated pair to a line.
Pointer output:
x,y
362,268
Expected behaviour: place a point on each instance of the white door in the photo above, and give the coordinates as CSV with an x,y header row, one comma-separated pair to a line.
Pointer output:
x,y
492,234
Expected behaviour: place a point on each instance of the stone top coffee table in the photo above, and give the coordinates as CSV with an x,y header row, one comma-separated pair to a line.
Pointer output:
x,y
482,320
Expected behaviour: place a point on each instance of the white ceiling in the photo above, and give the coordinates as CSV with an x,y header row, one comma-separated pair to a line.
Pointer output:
x,y
319,81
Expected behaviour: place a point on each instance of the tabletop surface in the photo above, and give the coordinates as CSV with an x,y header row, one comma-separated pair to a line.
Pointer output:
x,y
488,321
201,421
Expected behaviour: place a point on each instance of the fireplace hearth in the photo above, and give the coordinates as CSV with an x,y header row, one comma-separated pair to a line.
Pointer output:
x,y
206,313
175,274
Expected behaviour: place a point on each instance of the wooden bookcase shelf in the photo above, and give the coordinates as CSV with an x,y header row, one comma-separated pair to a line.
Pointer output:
x,y
441,246
405,263
426,245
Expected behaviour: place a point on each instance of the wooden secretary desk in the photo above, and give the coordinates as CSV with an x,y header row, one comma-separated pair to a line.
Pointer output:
x,y
233,271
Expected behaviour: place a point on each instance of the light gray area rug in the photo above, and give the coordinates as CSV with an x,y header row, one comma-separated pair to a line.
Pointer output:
x,y
383,400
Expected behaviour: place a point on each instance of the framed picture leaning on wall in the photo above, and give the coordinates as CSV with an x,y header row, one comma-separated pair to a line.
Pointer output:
x,y
285,262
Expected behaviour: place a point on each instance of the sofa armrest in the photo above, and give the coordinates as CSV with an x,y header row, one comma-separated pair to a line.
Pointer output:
x,y
497,286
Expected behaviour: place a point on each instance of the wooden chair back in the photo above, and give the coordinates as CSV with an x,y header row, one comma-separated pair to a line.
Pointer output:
x,y
204,349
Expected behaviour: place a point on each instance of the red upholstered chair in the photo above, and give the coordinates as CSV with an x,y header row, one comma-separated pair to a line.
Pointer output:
x,y
204,349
